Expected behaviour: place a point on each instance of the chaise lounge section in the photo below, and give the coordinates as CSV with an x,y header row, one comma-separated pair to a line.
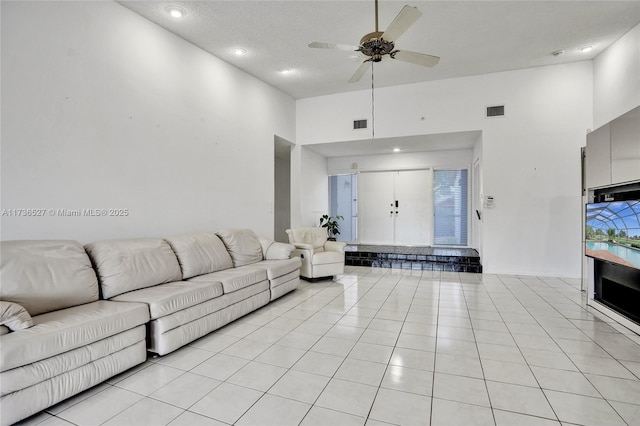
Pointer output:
x,y
248,250
76,341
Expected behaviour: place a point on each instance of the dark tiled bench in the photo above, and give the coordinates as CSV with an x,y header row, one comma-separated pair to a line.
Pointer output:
x,y
415,258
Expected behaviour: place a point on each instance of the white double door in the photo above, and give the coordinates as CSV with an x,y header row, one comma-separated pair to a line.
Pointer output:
x,y
395,207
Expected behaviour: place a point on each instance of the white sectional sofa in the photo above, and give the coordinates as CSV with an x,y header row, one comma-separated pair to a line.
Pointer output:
x,y
73,316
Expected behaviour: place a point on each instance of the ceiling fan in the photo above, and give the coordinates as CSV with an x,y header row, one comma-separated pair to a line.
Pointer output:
x,y
377,44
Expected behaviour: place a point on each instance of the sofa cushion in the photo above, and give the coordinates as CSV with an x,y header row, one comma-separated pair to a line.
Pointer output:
x,y
314,236
169,333
278,268
243,246
63,330
273,250
127,265
233,279
193,313
283,279
172,297
44,276
32,374
200,254
285,286
14,316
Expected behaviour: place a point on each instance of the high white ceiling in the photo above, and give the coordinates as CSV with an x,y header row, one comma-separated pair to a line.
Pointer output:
x,y
470,37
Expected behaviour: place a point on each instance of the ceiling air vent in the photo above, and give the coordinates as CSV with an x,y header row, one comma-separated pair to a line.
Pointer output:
x,y
495,111
359,124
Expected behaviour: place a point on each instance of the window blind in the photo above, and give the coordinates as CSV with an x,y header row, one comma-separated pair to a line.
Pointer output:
x,y
450,189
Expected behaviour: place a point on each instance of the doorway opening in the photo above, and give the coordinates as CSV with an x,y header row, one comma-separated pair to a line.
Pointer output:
x,y
282,188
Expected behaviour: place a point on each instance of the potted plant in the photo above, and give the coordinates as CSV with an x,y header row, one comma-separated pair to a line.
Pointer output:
x,y
332,225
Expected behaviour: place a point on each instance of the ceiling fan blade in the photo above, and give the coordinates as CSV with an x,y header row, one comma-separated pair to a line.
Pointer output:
x,y
321,45
363,68
415,58
407,16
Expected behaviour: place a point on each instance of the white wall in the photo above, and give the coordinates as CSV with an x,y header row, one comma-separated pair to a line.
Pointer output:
x,y
314,184
616,79
530,157
104,109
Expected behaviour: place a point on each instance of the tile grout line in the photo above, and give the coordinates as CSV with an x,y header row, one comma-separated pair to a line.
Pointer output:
x,y
484,377
435,354
368,416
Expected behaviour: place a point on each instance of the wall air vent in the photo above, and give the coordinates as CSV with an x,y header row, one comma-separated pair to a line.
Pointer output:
x,y
495,111
359,124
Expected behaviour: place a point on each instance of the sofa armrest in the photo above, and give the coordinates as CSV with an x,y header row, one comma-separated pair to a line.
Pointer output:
x,y
303,246
273,250
304,253
335,246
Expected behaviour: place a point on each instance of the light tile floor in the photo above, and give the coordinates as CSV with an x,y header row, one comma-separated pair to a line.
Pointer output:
x,y
379,347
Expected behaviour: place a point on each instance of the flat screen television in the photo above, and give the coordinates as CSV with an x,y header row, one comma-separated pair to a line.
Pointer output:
x,y
612,232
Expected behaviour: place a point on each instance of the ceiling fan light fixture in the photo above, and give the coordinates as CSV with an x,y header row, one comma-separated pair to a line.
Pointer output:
x,y
378,44
175,11
376,48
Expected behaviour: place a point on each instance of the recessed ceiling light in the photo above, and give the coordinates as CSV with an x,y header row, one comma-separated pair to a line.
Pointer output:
x,y
396,149
286,71
585,49
239,51
175,11
558,53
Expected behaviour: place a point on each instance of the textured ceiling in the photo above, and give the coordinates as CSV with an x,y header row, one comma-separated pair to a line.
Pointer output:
x,y
471,37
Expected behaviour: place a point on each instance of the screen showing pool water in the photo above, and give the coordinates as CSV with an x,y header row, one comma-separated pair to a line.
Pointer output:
x,y
613,232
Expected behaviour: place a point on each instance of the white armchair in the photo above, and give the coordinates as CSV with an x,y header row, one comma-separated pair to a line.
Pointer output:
x,y
320,258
